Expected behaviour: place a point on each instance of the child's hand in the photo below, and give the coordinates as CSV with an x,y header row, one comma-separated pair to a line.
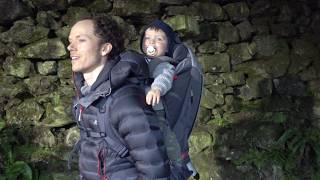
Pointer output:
x,y
153,97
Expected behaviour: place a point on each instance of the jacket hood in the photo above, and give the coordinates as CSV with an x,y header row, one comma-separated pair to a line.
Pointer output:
x,y
128,66
172,37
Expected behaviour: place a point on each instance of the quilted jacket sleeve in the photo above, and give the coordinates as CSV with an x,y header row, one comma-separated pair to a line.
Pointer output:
x,y
131,117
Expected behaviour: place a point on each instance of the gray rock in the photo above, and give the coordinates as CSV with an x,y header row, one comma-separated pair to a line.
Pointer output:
x,y
64,69
203,115
232,104
132,8
237,11
302,54
315,22
217,113
207,170
72,136
245,30
309,73
256,87
134,45
277,104
252,106
314,87
39,85
211,47
48,19
24,32
228,33
239,117
286,14
17,67
291,86
261,29
74,14
241,52
215,63
209,11
13,10
57,113
100,6
29,112
260,7
199,140
63,33
47,67
208,32
44,138
273,172
316,113
181,10
264,135
4,50
269,45
266,68
44,49
217,88
210,100
233,78
283,29
184,24
50,4
210,79
174,2
129,30
11,87
65,176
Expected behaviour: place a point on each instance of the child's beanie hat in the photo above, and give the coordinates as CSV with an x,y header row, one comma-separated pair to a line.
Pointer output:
x,y
171,35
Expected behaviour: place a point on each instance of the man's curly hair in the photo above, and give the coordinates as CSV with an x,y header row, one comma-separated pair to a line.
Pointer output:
x,y
109,31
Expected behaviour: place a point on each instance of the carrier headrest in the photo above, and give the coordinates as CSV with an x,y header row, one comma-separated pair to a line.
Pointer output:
x,y
180,52
131,65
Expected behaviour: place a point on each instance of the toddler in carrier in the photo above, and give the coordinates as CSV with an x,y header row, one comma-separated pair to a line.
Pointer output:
x,y
157,43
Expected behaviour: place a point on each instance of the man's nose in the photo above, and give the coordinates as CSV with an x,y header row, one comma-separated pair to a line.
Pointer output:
x,y
70,47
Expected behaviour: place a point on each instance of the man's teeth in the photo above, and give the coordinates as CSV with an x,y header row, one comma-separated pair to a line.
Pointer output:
x,y
74,58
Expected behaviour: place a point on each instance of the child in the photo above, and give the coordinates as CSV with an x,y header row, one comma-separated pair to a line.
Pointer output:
x,y
157,43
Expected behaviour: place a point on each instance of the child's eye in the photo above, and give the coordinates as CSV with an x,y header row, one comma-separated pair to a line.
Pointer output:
x,y
159,39
82,40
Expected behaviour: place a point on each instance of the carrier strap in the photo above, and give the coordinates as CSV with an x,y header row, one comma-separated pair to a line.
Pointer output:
x,y
120,149
113,141
74,151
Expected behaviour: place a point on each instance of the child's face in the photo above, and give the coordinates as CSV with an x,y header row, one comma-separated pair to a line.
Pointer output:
x,y
156,39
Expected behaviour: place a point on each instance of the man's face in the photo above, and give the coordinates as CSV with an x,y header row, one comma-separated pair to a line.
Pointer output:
x,y
157,39
85,47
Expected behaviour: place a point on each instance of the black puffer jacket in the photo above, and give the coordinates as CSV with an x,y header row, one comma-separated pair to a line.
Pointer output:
x,y
116,103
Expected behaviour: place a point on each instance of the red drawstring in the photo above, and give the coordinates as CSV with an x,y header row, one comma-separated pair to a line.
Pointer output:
x,y
175,77
184,155
101,158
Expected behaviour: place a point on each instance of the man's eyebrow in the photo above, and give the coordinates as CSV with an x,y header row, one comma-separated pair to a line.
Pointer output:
x,y
78,36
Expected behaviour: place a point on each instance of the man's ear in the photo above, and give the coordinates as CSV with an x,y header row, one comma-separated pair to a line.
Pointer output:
x,y
106,49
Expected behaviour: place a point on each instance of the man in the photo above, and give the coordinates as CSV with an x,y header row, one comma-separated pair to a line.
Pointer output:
x,y
117,140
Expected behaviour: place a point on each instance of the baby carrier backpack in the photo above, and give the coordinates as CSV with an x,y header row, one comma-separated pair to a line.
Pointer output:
x,y
182,101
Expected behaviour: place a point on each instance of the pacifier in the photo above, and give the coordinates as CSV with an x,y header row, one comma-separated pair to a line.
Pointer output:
x,y
151,50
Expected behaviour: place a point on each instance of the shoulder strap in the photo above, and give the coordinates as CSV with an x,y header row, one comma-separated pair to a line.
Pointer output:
x,y
108,132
